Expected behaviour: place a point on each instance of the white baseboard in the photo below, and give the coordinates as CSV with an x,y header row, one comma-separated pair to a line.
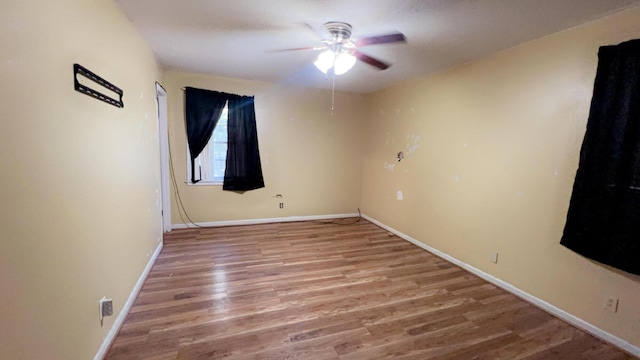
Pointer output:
x,y
571,319
117,324
264,221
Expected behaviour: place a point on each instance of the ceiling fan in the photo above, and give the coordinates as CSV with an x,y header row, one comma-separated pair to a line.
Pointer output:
x,y
341,52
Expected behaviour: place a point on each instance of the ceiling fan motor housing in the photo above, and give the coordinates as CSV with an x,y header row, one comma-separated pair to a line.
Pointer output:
x,y
339,30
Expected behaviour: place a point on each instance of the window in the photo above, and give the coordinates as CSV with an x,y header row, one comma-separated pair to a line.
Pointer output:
x,y
603,221
238,167
211,162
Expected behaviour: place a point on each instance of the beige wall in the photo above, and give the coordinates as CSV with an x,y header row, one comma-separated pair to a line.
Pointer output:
x,y
491,153
79,213
309,156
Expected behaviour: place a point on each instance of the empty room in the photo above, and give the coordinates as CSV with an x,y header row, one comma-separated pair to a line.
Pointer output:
x,y
302,179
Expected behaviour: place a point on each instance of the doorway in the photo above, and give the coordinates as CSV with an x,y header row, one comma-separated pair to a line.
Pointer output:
x,y
163,130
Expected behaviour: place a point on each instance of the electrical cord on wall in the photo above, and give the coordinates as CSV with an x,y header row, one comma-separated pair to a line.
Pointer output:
x,y
336,222
177,192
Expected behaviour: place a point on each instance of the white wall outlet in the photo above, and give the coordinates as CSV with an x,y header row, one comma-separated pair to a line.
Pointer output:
x,y
106,307
610,303
493,257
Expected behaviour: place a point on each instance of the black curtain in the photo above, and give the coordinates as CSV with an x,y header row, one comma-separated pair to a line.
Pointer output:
x,y
603,222
243,169
202,110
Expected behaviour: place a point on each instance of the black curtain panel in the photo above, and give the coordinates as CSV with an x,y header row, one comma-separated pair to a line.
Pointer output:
x,y
603,222
202,109
243,169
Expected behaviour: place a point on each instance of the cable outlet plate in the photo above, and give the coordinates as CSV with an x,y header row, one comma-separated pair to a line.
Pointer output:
x,y
610,303
106,307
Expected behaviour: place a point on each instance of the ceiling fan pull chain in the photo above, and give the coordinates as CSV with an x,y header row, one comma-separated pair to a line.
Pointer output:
x,y
333,92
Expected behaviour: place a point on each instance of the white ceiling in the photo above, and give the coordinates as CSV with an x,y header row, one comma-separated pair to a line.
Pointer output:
x,y
232,38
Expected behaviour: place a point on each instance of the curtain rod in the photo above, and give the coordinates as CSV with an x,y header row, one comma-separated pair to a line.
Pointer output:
x,y
184,88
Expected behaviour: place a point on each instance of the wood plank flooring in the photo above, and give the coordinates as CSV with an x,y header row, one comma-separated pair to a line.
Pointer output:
x,y
323,290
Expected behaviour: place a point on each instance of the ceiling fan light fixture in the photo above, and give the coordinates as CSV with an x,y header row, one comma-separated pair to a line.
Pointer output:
x,y
343,63
325,61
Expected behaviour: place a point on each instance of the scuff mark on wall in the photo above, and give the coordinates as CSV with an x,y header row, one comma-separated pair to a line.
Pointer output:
x,y
413,145
389,167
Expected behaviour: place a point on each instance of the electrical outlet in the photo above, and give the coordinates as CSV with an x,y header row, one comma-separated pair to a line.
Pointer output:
x,y
610,303
493,257
106,307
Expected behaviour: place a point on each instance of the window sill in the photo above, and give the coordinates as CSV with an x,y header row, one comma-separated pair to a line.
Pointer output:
x,y
204,183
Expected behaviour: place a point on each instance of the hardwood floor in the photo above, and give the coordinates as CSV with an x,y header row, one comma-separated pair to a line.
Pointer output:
x,y
319,290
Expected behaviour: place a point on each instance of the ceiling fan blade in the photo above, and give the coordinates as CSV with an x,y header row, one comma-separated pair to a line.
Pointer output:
x,y
371,61
381,39
320,36
298,49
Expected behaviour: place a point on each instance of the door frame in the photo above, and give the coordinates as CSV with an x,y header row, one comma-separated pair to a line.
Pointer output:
x,y
163,138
